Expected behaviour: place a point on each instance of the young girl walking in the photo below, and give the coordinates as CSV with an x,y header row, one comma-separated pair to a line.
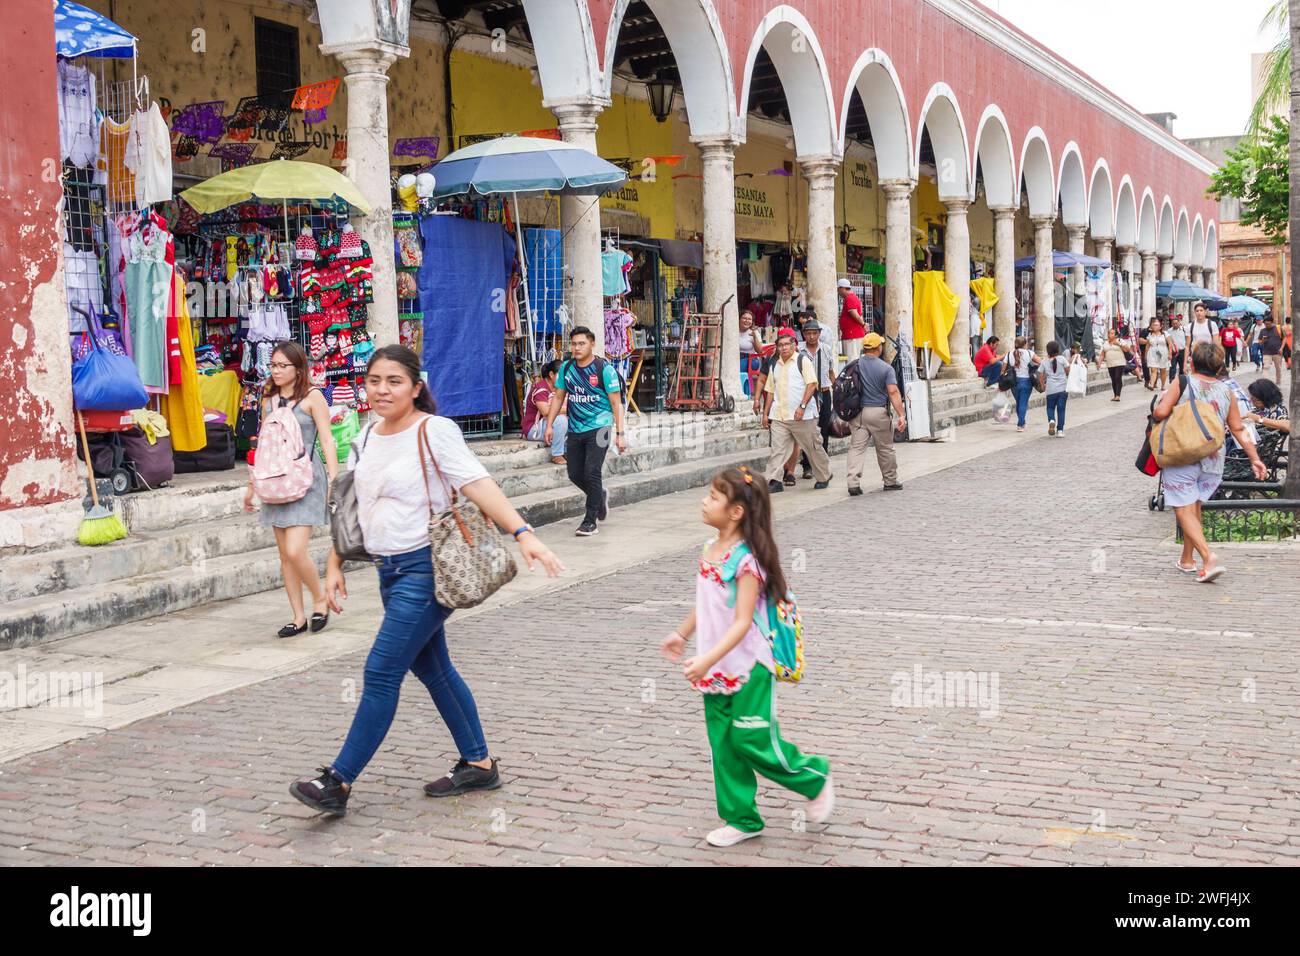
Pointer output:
x,y
739,572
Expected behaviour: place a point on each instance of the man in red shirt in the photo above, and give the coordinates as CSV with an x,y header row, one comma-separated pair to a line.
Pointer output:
x,y
987,363
852,328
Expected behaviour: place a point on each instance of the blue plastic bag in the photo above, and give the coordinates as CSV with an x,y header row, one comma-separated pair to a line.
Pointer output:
x,y
106,382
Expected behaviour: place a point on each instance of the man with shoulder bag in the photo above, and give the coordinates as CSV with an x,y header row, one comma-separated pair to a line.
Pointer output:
x,y
877,386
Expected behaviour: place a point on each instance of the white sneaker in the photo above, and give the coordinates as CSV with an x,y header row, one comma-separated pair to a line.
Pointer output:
x,y
730,836
821,806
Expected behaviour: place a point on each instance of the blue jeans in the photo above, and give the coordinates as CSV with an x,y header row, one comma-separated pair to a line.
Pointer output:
x,y
1257,354
412,638
1024,388
992,372
558,433
1056,409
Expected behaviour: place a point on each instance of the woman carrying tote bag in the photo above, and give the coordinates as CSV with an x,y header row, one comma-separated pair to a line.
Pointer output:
x,y
408,462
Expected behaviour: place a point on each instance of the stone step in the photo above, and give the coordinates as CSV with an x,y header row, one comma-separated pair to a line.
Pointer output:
x,y
94,607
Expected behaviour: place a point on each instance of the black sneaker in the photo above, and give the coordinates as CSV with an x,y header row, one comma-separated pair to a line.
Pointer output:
x,y
855,492
603,513
774,486
587,529
894,487
463,778
327,793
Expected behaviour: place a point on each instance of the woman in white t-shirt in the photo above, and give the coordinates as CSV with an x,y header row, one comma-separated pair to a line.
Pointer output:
x,y
1021,358
396,491
1159,350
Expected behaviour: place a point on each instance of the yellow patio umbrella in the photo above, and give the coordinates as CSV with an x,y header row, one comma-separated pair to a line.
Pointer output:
x,y
285,180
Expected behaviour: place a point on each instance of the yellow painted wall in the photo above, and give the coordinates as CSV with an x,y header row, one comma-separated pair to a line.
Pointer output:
x,y
859,202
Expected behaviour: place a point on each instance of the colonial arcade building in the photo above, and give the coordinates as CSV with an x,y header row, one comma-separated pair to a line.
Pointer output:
x,y
857,137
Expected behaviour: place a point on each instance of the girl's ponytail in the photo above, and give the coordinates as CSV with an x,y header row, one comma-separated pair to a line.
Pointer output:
x,y
742,487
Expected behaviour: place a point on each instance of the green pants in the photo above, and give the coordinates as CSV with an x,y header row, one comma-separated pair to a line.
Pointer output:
x,y
744,738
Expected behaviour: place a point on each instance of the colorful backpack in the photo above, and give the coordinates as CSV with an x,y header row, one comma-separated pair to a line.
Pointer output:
x,y
781,624
282,470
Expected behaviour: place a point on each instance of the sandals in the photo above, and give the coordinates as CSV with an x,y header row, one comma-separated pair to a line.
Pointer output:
x,y
1185,569
789,479
291,630
1205,577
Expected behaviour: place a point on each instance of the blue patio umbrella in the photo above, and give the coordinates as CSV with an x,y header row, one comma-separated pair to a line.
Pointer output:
x,y
1246,305
1181,290
1065,260
525,164
80,31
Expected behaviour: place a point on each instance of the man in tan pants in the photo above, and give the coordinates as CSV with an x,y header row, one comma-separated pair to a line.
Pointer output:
x,y
788,398
879,387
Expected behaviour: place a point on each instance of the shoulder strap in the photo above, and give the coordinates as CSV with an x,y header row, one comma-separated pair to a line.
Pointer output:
x,y
738,554
422,443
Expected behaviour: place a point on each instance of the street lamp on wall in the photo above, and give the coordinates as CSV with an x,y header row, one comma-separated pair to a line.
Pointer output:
x,y
662,92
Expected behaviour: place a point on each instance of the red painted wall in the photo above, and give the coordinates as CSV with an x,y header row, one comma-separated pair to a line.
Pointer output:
x,y
30,427
927,47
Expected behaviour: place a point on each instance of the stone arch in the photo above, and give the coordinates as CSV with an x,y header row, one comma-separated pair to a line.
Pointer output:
x,y
1198,242
1126,214
941,115
1148,223
1101,202
1211,260
797,56
1036,171
699,47
996,158
876,81
1183,238
564,44
1073,187
1165,239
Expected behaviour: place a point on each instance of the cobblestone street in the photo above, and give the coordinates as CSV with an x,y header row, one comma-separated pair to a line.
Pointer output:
x,y
1128,715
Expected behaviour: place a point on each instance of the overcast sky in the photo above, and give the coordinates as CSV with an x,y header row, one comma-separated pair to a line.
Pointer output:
x,y
1190,57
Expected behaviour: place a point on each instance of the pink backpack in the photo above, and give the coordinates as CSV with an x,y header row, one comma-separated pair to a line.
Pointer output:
x,y
282,468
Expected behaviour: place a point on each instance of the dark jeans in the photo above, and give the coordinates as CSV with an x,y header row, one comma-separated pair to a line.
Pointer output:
x,y
824,411
1024,388
586,452
1257,354
411,638
1117,378
1056,409
992,372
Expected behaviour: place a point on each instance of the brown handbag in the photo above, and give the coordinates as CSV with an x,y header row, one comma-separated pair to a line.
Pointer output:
x,y
470,560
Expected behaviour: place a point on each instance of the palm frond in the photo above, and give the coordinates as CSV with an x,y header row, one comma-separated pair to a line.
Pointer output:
x,y
1275,91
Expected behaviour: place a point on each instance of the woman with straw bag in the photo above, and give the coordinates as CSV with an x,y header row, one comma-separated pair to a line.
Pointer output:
x,y
1192,415
408,472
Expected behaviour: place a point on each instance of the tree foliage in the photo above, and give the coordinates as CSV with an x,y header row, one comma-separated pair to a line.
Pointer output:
x,y
1258,173
1275,90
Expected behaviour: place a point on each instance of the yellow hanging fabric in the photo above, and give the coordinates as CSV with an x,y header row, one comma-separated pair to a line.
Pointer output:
x,y
934,310
182,406
986,292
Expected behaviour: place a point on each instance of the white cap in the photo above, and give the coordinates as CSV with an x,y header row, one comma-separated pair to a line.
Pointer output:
x,y
844,284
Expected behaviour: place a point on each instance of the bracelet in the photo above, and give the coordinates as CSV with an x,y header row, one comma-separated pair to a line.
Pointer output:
x,y
524,530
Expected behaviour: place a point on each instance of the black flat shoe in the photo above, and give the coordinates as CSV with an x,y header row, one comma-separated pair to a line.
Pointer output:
x,y
291,630
318,622
789,479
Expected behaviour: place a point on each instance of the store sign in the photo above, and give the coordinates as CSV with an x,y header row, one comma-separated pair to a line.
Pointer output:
x,y
754,204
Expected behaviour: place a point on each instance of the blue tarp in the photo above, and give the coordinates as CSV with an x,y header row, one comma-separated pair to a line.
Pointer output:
x,y
1065,260
463,283
545,252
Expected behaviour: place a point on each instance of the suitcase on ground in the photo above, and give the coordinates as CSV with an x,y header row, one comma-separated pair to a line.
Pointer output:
x,y
153,463
218,455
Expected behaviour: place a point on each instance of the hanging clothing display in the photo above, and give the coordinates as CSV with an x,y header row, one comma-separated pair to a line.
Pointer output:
x,y
760,276
148,155
934,310
985,292
113,138
83,284
615,264
182,406
148,290
617,323
78,123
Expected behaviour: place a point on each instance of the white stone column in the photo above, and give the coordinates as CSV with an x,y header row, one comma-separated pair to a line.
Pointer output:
x,y
898,262
1182,272
1106,250
368,165
1077,239
1044,287
717,158
1004,267
1149,262
580,225
1211,280
1197,277
1126,265
956,259
1166,268
820,171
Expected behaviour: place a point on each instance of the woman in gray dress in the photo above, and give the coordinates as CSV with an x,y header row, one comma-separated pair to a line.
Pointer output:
x,y
294,520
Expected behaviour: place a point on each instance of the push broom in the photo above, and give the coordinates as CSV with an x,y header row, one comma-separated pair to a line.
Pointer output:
x,y
99,526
